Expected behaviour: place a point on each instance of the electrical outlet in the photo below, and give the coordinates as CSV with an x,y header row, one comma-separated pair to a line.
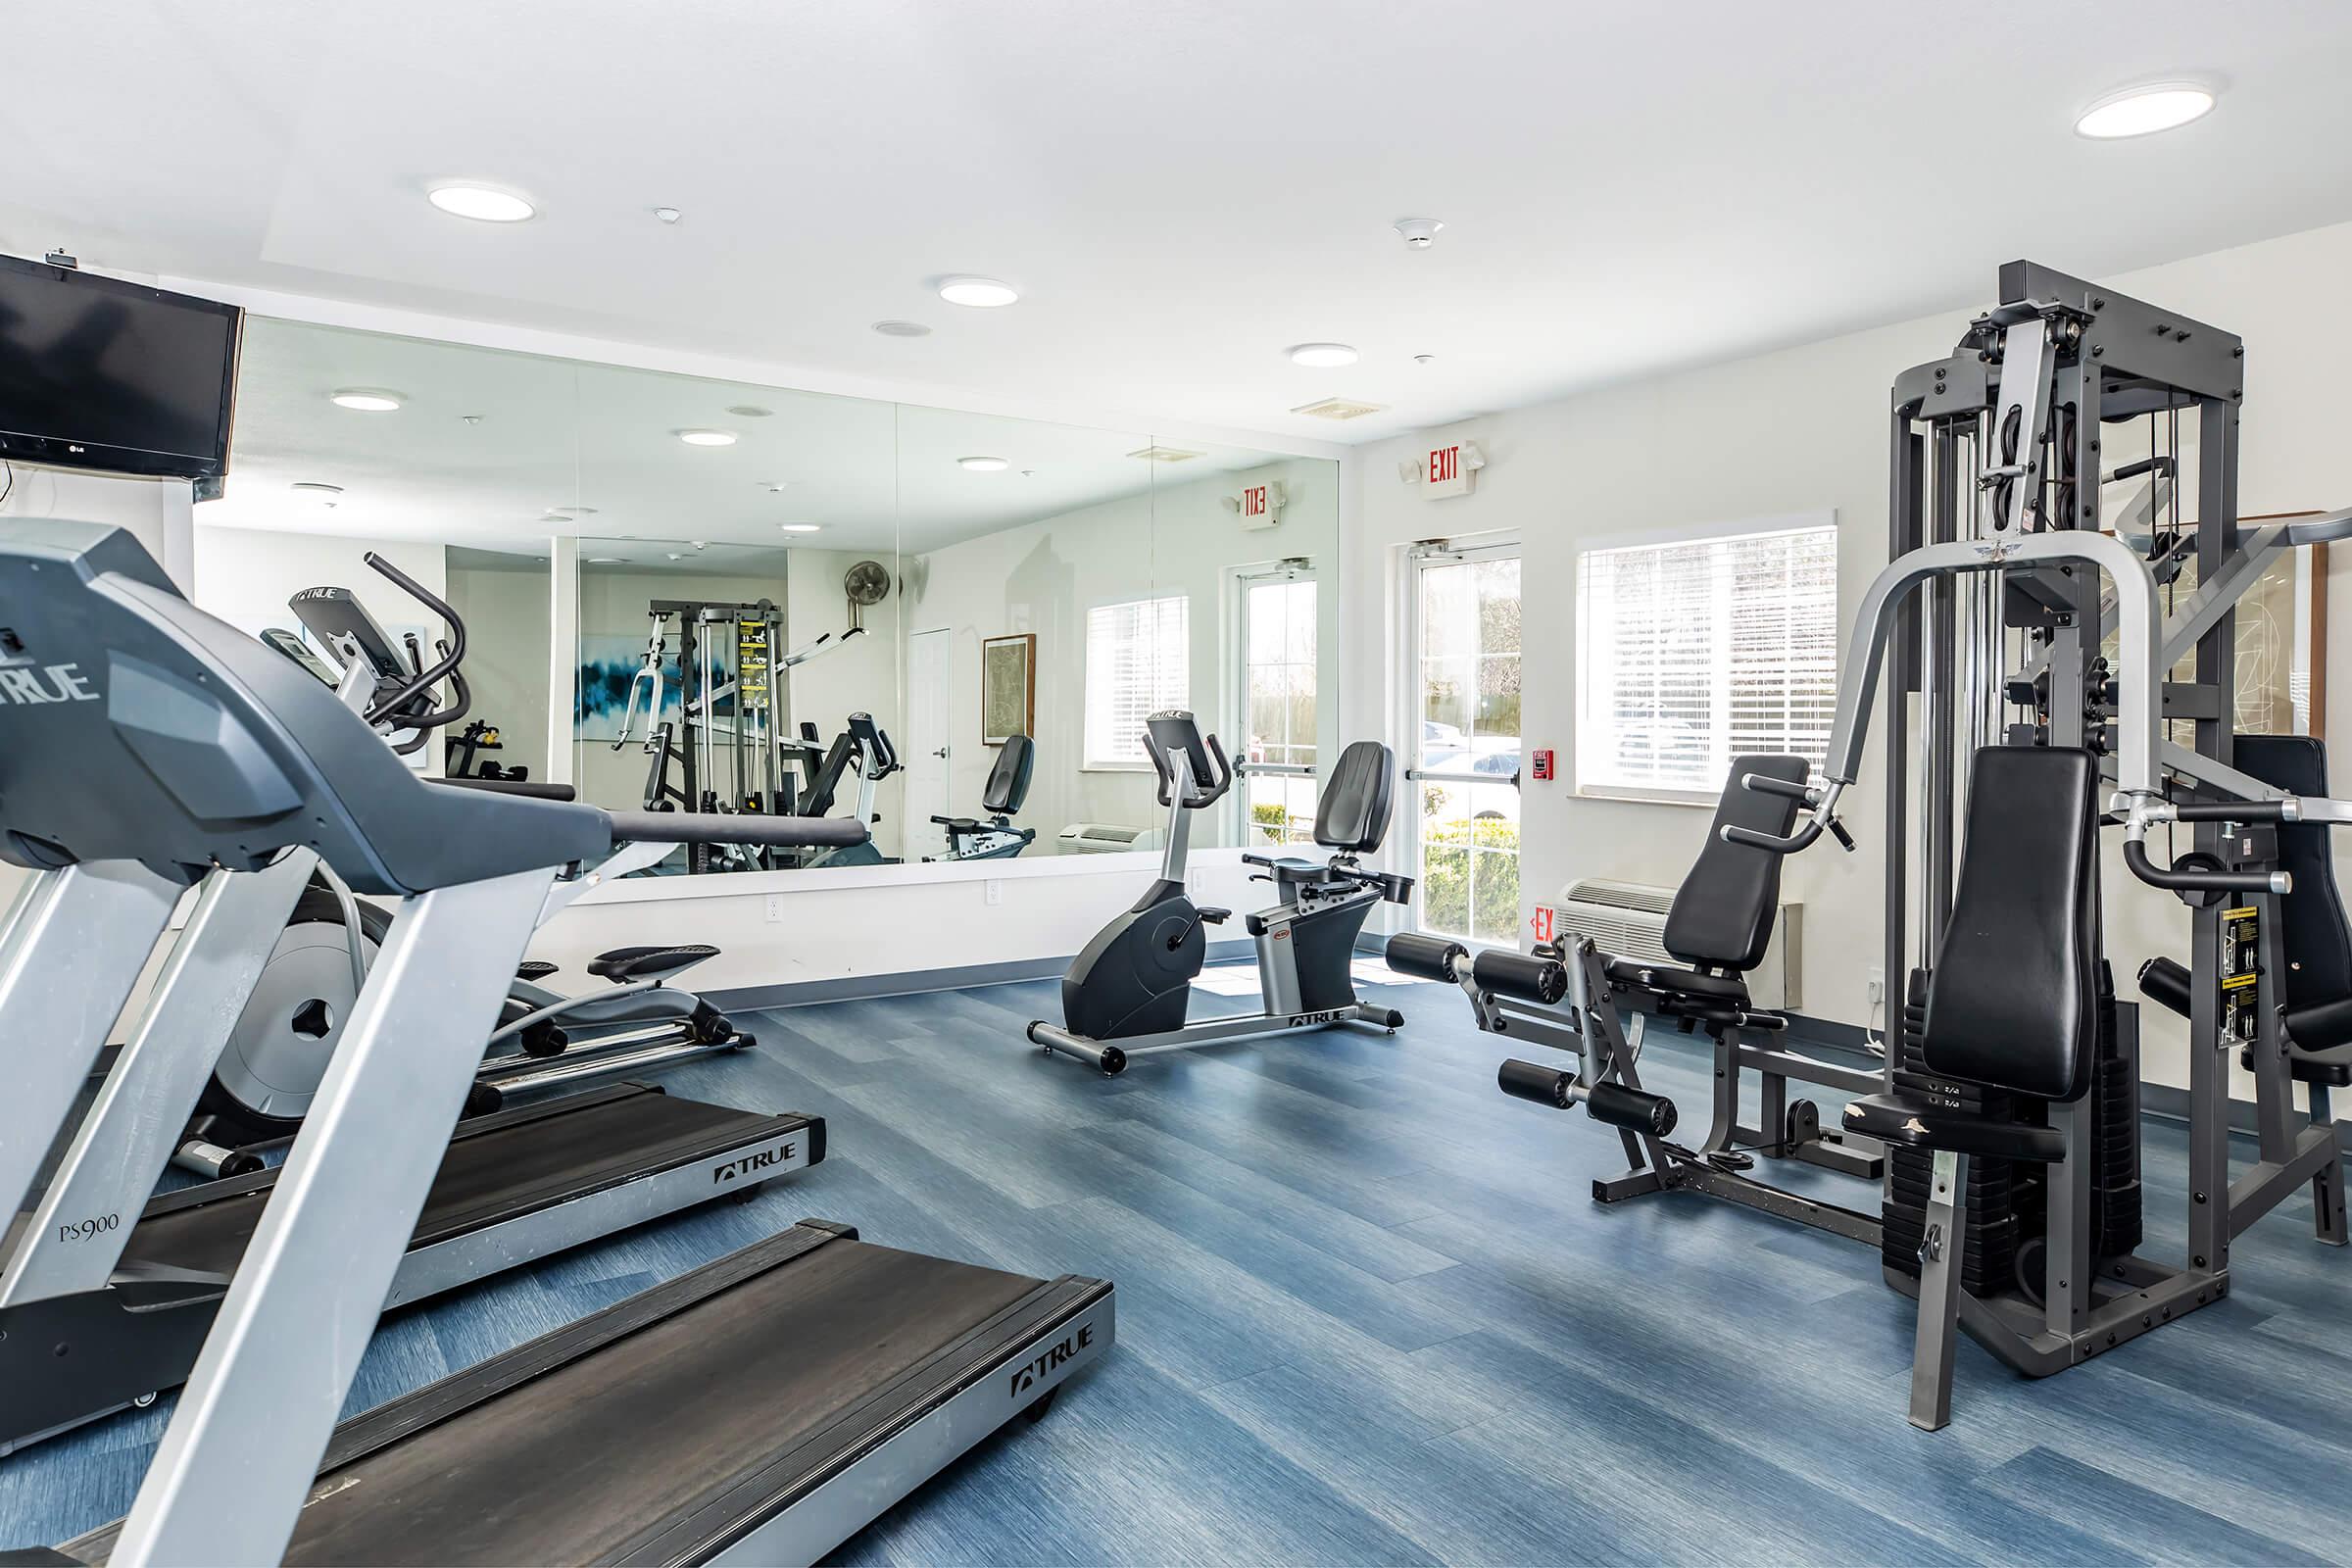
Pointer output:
x,y
995,891
775,907
1878,985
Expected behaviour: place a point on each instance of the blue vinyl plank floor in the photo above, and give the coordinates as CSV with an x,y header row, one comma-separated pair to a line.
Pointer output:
x,y
1369,1314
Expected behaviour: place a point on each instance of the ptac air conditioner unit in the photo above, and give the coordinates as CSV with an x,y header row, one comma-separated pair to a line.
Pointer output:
x,y
1105,838
1629,920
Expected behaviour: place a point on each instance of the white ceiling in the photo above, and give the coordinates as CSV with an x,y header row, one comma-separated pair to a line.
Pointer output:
x,y
488,443
1181,189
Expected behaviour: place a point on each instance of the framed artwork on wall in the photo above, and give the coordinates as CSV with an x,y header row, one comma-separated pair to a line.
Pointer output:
x,y
1008,687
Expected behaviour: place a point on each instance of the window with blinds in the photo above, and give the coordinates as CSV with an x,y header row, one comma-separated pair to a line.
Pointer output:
x,y
1697,650
1135,657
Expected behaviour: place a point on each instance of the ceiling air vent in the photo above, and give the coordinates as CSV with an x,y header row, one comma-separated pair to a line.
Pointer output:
x,y
1341,408
1164,454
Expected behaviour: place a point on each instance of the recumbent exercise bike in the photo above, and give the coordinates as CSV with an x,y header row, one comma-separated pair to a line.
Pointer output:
x,y
1127,992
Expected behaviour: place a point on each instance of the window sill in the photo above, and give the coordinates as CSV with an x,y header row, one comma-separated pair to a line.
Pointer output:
x,y
1647,797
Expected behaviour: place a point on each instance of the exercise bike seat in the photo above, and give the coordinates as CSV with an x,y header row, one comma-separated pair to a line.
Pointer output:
x,y
535,969
649,964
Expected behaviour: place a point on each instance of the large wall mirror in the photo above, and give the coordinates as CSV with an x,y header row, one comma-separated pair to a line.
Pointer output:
x,y
689,594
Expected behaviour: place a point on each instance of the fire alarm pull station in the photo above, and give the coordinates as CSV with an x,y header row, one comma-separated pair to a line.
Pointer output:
x,y
1542,768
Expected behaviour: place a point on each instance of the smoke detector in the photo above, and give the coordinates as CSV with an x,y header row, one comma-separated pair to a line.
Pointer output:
x,y
1340,408
1418,232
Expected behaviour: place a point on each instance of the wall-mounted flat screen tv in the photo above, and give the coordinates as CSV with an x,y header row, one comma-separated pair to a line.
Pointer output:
x,y
99,373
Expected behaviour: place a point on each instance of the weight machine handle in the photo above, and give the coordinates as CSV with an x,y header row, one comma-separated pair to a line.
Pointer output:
x,y
2135,855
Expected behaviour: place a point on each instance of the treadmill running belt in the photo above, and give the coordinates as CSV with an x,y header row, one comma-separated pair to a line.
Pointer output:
x,y
665,1440
497,1169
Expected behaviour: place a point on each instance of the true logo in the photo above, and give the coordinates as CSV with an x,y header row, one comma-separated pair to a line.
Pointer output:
x,y
50,683
737,1169
1307,1021
1025,1378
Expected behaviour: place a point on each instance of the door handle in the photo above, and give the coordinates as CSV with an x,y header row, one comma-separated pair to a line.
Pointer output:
x,y
941,752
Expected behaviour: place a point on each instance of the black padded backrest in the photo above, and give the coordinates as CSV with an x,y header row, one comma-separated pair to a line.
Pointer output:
x,y
2013,1003
1723,913
2319,943
1008,780
1353,812
133,726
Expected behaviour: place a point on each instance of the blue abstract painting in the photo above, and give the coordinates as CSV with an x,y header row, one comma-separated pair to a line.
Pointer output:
x,y
609,663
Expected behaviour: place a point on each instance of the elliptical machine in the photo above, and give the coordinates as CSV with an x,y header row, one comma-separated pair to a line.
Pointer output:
x,y
1127,992
875,760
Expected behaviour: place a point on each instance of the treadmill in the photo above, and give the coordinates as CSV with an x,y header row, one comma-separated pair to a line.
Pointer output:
x,y
96,1316
761,1408
516,1187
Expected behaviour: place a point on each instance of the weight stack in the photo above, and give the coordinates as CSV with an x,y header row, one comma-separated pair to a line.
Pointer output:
x,y
1989,1263
2115,1212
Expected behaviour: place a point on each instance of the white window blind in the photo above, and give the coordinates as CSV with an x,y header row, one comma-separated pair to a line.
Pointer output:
x,y
1698,651
1135,657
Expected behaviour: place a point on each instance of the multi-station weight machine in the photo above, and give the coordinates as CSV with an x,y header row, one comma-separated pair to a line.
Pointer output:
x,y
730,747
2014,1216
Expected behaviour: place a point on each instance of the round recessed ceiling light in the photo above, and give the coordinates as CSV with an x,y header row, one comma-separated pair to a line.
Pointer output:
x,y
706,438
606,561
800,527
366,399
313,490
979,293
2143,111
750,410
901,330
480,202
983,464
667,214
1425,359
1322,356
576,511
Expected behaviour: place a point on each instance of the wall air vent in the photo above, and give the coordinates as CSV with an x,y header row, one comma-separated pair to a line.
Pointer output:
x,y
1164,454
1340,408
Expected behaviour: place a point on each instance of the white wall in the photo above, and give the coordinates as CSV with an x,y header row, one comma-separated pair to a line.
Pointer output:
x,y
506,615
1800,430
1044,576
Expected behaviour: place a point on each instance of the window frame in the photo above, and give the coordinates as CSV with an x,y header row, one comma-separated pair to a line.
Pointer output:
x,y
1244,578
1087,762
1663,538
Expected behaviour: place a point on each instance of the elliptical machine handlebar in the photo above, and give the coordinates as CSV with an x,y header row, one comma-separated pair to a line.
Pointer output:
x,y
387,706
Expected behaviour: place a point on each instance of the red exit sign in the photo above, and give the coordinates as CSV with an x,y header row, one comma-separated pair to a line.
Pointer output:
x,y
1253,501
1445,472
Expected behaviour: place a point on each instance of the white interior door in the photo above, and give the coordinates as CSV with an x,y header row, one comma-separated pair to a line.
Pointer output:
x,y
926,752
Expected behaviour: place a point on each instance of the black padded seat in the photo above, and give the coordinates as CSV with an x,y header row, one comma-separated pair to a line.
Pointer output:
x,y
1723,913
1009,779
2316,934
2013,999
1352,814
1897,1119
649,964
